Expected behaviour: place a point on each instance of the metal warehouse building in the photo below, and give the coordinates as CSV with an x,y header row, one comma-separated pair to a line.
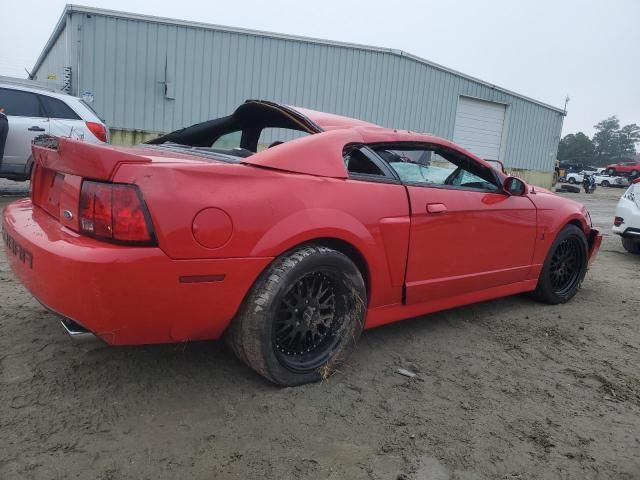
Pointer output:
x,y
149,75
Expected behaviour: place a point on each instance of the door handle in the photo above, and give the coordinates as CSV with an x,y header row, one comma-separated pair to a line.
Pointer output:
x,y
35,129
436,208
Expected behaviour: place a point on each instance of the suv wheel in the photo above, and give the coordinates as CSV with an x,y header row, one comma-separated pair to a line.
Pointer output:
x,y
631,245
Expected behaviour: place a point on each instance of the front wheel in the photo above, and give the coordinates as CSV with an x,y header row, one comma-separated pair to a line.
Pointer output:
x,y
605,183
302,317
564,267
634,173
572,180
630,245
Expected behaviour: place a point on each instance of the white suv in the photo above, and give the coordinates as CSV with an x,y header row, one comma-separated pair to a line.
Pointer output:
x,y
34,111
627,220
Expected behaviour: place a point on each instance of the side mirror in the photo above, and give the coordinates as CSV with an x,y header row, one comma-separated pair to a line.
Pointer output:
x,y
514,186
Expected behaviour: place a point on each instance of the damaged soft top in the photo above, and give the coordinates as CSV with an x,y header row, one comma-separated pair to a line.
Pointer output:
x,y
250,119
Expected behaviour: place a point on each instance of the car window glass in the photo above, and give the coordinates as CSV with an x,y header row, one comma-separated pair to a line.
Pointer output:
x,y
438,167
58,109
20,104
228,141
358,162
272,136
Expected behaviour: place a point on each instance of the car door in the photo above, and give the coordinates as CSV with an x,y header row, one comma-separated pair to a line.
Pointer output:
x,y
27,120
466,234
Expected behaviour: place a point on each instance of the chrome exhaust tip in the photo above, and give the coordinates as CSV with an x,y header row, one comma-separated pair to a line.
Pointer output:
x,y
76,331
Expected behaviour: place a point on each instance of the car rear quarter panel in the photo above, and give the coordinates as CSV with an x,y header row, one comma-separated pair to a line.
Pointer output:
x,y
273,211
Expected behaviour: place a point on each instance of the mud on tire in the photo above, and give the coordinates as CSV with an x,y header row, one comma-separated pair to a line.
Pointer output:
x,y
302,317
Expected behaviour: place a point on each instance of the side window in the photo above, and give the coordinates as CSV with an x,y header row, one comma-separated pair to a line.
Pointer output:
x,y
437,166
228,141
20,104
359,163
273,136
58,109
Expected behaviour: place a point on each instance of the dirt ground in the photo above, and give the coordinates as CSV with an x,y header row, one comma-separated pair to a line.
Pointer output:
x,y
508,389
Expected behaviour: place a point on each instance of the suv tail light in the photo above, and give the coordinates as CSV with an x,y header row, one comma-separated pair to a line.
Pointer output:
x,y
115,212
98,130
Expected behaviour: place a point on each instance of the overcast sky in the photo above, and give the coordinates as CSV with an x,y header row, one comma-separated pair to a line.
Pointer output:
x,y
545,49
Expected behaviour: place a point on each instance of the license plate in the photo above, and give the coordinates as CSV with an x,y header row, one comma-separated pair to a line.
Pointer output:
x,y
18,250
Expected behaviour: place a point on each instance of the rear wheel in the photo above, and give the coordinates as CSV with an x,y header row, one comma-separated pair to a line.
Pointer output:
x,y
605,183
572,180
631,245
634,173
564,268
302,318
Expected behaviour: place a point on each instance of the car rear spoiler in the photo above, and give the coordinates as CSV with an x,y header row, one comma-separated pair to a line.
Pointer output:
x,y
86,160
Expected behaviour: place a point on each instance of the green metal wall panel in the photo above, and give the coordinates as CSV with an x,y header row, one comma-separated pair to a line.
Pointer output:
x,y
156,76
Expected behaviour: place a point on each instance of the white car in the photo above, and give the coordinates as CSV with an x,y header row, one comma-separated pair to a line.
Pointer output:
x,y
627,220
601,179
34,111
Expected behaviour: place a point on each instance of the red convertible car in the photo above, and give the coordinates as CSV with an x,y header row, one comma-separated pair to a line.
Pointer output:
x,y
289,249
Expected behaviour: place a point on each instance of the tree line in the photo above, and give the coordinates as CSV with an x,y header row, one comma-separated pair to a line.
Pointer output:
x,y
610,144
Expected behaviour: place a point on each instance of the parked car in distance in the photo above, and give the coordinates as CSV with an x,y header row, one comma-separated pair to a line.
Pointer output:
x,y
601,179
624,168
626,223
35,111
289,252
568,167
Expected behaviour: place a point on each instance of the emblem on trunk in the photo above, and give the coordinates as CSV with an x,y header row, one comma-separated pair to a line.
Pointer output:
x,y
67,214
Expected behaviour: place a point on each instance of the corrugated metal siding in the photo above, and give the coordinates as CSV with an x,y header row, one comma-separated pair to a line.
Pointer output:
x,y
128,63
53,63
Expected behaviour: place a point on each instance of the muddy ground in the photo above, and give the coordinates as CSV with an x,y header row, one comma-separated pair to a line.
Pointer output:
x,y
508,389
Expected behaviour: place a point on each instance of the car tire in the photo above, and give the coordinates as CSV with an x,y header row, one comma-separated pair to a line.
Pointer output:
x,y
634,173
302,317
631,245
572,180
611,172
605,183
564,267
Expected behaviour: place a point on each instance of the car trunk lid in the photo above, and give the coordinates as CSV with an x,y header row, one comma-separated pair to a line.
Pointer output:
x,y
61,165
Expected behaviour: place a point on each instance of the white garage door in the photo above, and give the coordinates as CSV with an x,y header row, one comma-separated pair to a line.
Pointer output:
x,y
479,127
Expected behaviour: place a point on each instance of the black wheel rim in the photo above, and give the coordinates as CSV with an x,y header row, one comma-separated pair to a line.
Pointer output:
x,y
307,322
567,264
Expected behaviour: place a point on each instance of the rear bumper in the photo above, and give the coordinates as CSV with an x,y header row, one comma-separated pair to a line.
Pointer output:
x,y
124,295
630,213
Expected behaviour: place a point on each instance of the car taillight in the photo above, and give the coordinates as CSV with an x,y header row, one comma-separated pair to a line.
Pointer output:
x,y
115,212
98,130
617,221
